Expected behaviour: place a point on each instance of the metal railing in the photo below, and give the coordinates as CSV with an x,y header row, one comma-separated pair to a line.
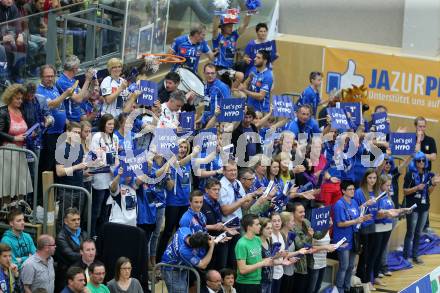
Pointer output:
x,y
4,150
72,189
174,267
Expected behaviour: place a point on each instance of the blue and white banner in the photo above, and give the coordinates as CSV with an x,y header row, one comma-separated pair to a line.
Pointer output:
x,y
186,120
148,93
380,122
283,107
321,219
338,118
402,144
355,110
232,110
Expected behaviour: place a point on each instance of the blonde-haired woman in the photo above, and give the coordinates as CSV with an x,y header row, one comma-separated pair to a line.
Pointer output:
x,y
114,89
15,178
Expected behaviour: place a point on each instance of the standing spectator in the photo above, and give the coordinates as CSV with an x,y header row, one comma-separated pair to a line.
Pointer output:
x,y
68,244
310,96
168,86
48,93
15,177
104,147
232,199
20,242
347,216
38,271
114,89
186,249
69,170
249,258
169,116
193,218
258,85
246,127
97,276
9,274
75,281
67,80
417,186
87,249
303,123
191,47
123,283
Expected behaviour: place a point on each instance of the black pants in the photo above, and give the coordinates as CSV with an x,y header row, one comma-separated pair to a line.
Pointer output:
x,y
173,215
382,239
47,160
247,288
226,254
366,262
300,282
286,284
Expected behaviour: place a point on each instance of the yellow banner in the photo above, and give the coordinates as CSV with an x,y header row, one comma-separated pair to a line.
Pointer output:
x,y
408,87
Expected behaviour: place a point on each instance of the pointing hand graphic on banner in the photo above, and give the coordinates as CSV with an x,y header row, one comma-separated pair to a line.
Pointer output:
x,y
345,80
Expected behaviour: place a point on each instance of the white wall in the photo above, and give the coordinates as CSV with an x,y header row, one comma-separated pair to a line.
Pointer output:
x,y
368,21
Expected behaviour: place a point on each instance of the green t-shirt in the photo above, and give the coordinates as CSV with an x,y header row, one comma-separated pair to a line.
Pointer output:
x,y
101,289
250,251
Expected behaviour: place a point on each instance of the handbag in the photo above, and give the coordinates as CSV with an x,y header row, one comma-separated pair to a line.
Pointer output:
x,y
359,289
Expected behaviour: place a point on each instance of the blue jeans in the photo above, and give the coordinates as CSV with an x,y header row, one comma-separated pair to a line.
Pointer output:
x,y
266,287
175,280
346,264
415,222
315,280
160,217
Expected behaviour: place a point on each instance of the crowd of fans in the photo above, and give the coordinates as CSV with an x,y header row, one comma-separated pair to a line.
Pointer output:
x,y
240,215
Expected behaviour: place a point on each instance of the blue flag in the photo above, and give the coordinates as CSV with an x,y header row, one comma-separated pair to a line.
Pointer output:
x,y
148,93
380,122
283,107
321,219
206,140
355,110
231,110
276,247
339,119
133,163
290,238
186,120
403,143
165,140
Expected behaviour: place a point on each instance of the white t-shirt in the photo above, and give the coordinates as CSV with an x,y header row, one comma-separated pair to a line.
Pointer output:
x,y
124,205
168,118
320,258
109,86
278,270
101,145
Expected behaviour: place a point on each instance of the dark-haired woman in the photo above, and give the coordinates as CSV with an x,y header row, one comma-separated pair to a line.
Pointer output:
x,y
104,149
122,282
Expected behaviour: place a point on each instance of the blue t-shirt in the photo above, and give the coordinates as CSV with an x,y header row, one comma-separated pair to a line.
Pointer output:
x,y
260,81
385,203
252,49
211,166
310,127
159,188
125,143
251,148
182,46
310,97
179,195
179,252
195,221
227,46
146,205
342,212
59,113
73,109
215,92
372,209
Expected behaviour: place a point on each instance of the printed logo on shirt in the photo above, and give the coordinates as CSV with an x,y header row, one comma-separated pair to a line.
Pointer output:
x,y
254,252
183,51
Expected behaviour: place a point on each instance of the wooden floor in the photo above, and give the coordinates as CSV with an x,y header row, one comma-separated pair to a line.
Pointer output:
x,y
401,279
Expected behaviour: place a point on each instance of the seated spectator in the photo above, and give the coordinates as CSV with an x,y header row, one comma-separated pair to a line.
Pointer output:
x,y
97,275
87,249
20,242
38,271
68,243
170,85
303,123
9,274
122,281
213,283
75,281
310,96
228,280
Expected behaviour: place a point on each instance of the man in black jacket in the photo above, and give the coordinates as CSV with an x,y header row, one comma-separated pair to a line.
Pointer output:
x,y
68,243
213,283
247,128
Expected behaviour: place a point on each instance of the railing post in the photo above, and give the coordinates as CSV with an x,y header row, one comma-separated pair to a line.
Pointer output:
x,y
90,37
51,48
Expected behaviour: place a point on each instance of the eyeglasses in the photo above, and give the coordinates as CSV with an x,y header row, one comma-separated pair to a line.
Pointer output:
x,y
420,160
252,178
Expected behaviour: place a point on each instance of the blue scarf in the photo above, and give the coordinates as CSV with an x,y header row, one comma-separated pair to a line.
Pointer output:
x,y
215,206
